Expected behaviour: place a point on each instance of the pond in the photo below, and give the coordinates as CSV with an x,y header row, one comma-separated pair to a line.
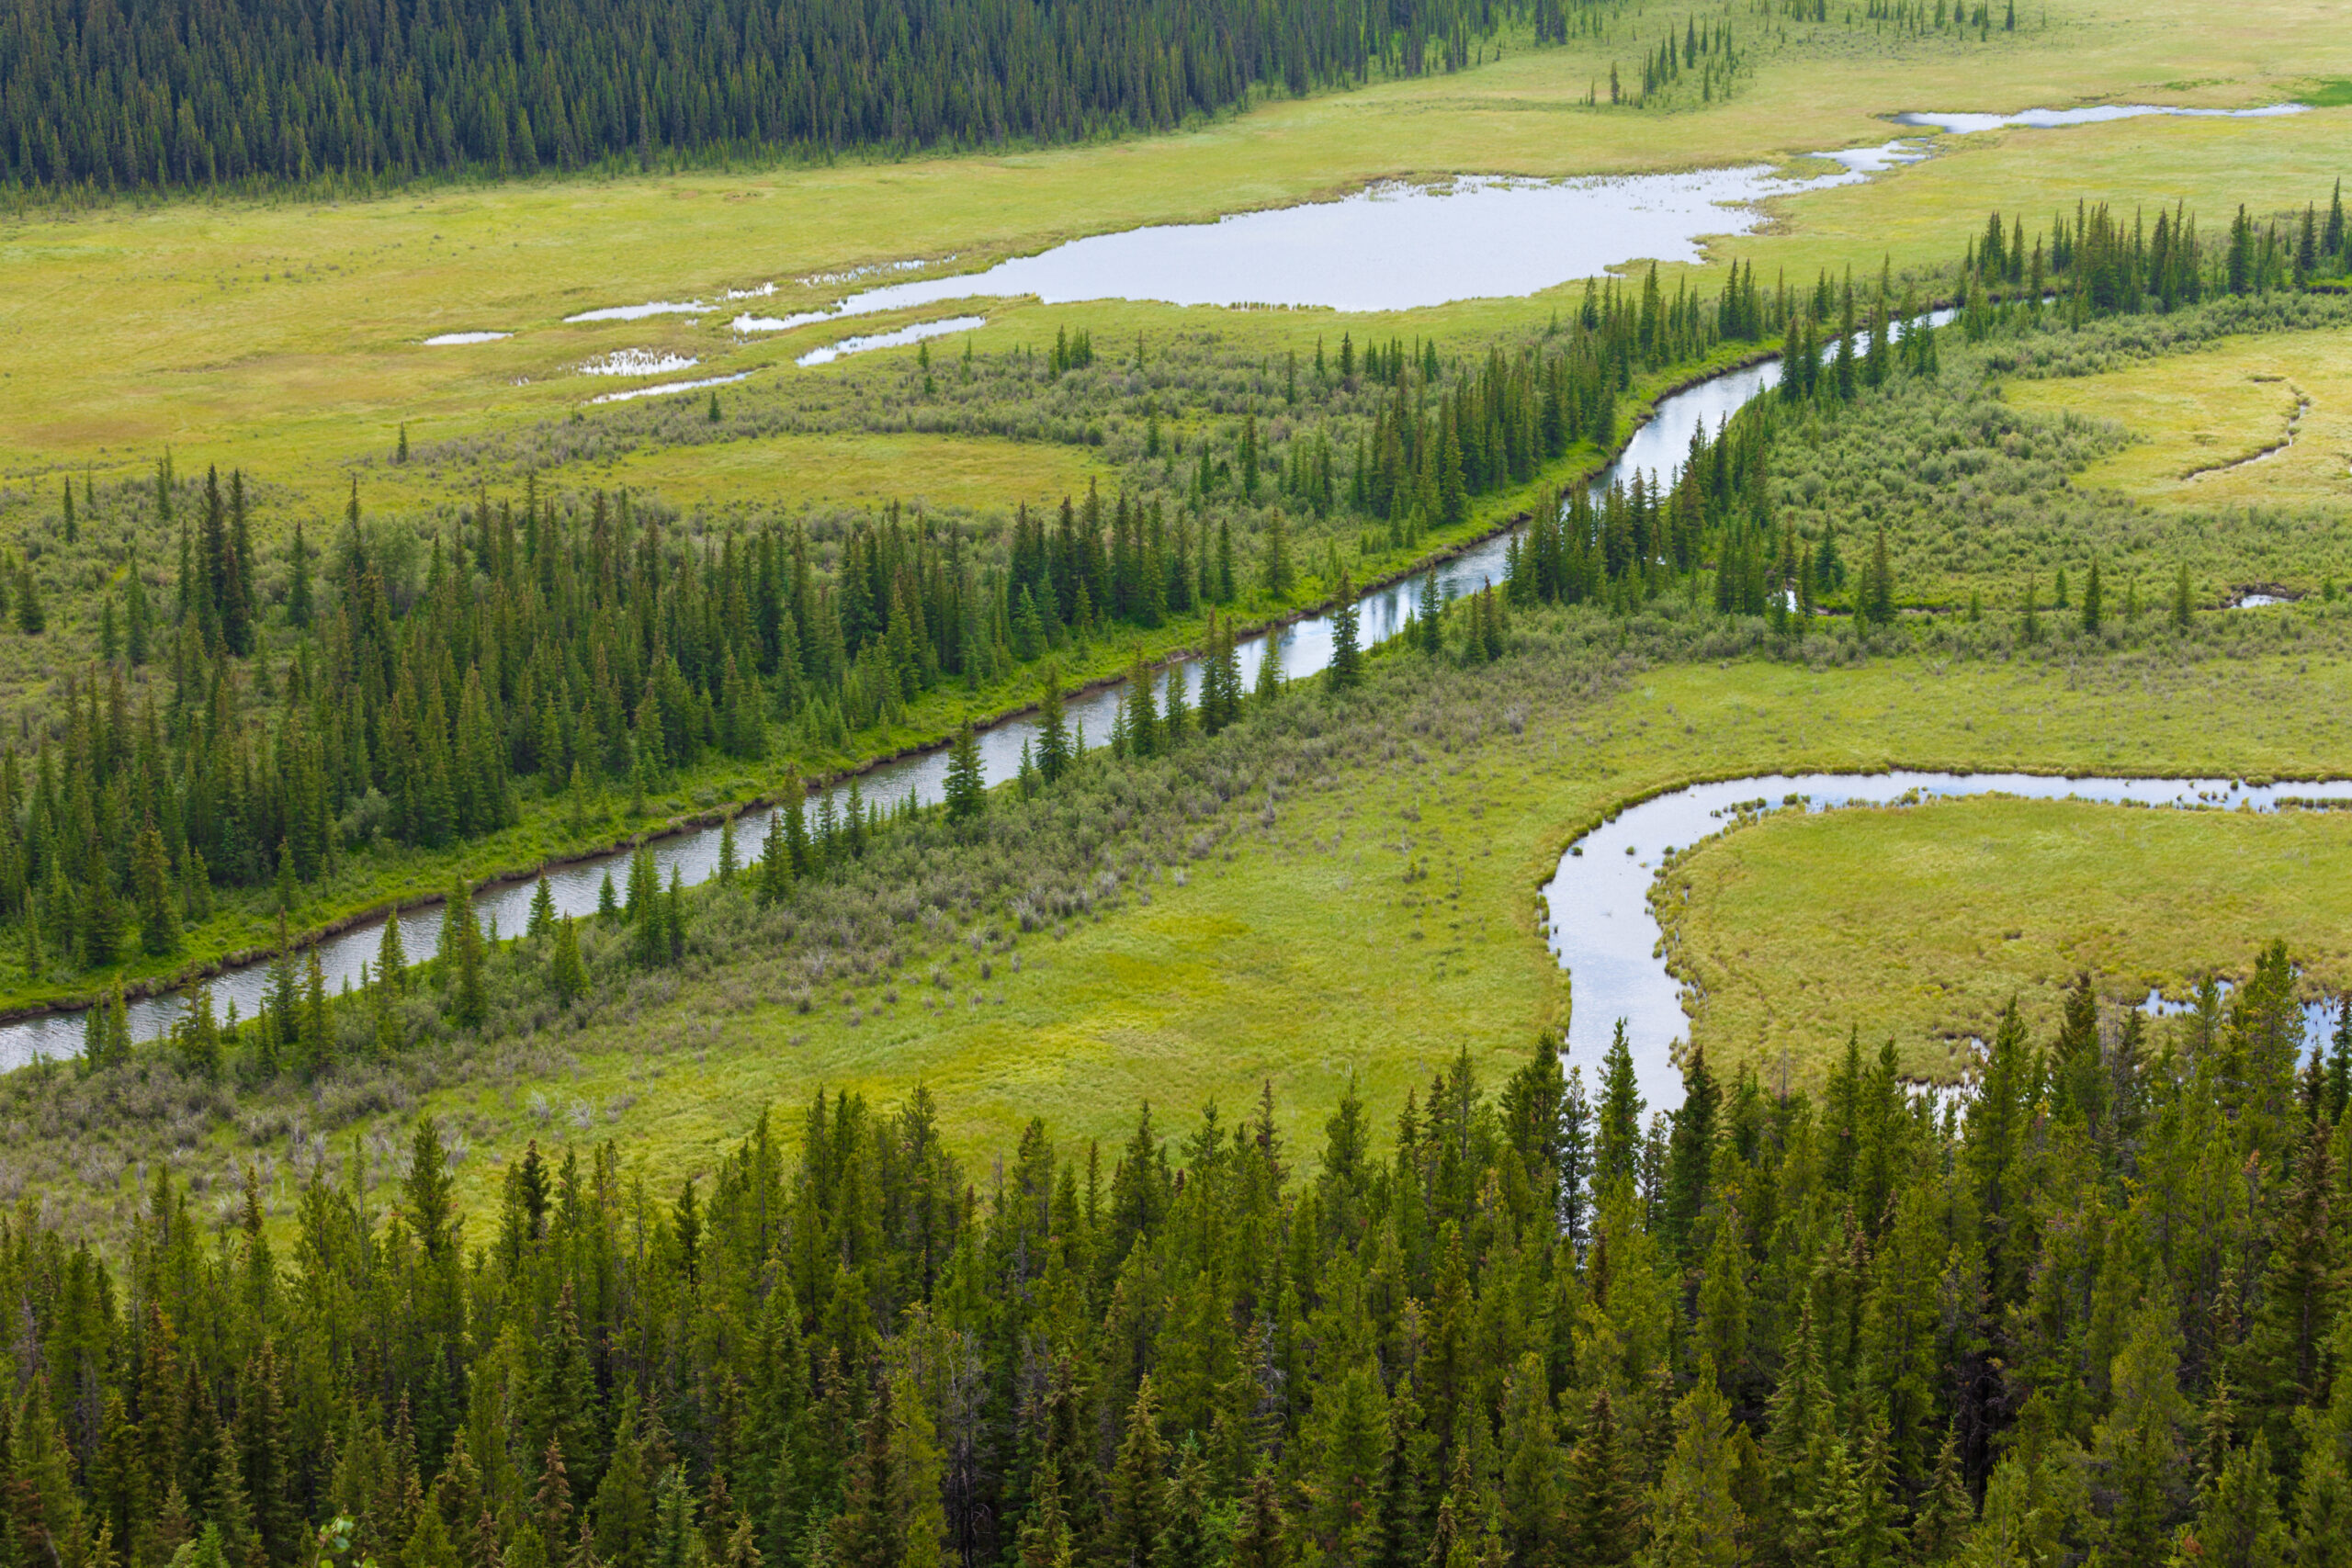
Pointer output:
x,y
1393,247
666,387
2097,114
1600,925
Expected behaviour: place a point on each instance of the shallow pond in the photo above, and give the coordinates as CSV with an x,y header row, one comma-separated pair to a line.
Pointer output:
x,y
1394,247
1600,925
898,339
666,387
2098,114
639,362
459,340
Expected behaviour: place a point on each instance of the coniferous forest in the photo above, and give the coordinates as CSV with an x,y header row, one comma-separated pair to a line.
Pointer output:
x,y
2097,1298
96,98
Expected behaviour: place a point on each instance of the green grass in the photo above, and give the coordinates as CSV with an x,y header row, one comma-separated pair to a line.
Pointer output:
x,y
1920,924
1304,962
2197,416
2334,93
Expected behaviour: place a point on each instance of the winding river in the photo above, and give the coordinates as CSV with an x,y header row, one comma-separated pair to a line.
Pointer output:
x,y
1302,647
1598,921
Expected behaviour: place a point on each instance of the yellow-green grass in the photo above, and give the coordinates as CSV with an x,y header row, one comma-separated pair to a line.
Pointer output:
x,y
2199,417
286,336
787,473
1920,924
1296,964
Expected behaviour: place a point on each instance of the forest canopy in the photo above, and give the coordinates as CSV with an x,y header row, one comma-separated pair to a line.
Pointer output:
x,y
192,94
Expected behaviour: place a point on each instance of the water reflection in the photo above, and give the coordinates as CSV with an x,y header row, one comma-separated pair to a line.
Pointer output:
x,y
1599,924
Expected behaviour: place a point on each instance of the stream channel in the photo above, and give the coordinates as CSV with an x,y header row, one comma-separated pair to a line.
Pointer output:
x,y
1303,647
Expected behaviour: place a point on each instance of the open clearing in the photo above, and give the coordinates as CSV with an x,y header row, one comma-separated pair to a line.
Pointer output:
x,y
1918,924
2201,419
1304,962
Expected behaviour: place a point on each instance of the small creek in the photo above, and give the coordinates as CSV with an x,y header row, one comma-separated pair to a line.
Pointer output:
x,y
1303,647
1600,925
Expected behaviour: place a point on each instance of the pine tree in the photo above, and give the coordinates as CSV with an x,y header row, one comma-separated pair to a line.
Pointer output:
x,y
1604,1516
567,975
965,791
2181,606
1133,1526
2238,1520
462,943
866,1533
1694,1520
542,909
1258,1542
1347,661
1275,576
1533,1519
1620,1133
151,876
1270,668
1053,733
1878,585
775,862
2092,601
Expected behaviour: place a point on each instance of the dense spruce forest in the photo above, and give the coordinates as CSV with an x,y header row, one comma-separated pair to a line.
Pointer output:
x,y
2089,1311
96,98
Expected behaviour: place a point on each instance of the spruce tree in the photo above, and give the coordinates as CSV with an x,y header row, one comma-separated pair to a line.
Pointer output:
x,y
1053,732
1347,661
1275,575
1269,668
1603,1514
150,875
461,943
965,791
567,975
775,862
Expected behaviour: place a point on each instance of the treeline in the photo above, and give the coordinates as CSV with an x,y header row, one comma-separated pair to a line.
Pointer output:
x,y
2088,1309
1716,520
2101,267
191,95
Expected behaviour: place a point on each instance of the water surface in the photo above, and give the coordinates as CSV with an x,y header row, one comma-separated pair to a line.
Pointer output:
x,y
666,387
2098,114
898,339
1598,918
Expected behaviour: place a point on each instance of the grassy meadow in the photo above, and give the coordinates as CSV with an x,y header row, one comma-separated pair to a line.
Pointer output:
x,y
1919,923
286,337
2196,419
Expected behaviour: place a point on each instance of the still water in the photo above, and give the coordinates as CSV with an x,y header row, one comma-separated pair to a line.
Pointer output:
x,y
1600,927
